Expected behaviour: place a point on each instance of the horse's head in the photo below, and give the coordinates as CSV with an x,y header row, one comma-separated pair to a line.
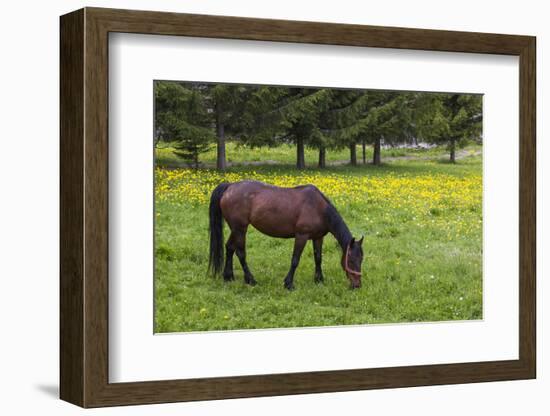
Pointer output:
x,y
351,262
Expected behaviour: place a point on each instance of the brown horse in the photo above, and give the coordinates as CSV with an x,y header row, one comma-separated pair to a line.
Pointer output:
x,y
302,213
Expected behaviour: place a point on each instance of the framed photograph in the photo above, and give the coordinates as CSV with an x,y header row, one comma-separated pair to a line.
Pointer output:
x,y
255,207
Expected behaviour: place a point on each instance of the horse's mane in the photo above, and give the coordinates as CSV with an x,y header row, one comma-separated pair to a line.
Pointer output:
x,y
336,223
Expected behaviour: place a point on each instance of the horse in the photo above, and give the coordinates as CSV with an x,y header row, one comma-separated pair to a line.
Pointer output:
x,y
302,213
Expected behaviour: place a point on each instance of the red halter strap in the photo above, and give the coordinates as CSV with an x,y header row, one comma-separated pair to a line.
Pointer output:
x,y
346,268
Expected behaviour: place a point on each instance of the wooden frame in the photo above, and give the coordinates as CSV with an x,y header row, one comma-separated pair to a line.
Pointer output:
x,y
84,207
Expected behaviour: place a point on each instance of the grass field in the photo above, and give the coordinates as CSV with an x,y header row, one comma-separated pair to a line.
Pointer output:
x,y
422,222
285,154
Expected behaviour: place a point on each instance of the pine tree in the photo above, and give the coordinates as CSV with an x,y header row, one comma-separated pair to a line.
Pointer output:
x,y
196,114
365,117
342,111
227,103
286,115
302,118
181,116
375,117
452,119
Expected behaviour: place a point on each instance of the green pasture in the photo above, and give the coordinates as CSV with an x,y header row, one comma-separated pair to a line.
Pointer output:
x,y
419,264
286,154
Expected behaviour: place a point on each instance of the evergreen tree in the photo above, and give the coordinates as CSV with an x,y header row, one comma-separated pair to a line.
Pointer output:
x,y
301,120
338,118
180,115
369,117
169,98
286,115
227,104
220,108
262,120
380,116
196,114
391,121
452,119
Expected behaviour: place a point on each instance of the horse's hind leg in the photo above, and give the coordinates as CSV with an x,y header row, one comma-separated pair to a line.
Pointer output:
x,y
318,253
299,244
229,251
240,245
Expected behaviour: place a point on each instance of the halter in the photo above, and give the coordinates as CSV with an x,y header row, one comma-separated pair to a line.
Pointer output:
x,y
346,268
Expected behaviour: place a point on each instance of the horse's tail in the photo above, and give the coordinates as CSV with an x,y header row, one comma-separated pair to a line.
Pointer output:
x,y
215,261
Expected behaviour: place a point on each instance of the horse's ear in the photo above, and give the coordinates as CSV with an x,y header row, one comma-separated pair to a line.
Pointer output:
x,y
352,242
361,241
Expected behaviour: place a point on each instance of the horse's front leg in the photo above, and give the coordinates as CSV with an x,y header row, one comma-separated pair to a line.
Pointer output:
x,y
318,255
299,244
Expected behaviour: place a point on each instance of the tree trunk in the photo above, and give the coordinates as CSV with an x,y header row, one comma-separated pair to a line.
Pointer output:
x,y
353,154
364,145
221,162
376,157
322,157
196,160
300,157
452,158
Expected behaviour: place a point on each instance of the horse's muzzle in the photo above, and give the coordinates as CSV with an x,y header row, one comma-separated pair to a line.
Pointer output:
x,y
355,284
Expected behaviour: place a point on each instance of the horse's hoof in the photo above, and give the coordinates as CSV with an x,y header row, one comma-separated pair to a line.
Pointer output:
x,y
289,285
251,282
319,280
228,278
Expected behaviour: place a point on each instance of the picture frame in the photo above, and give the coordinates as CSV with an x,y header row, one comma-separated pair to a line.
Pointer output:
x,y
84,216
